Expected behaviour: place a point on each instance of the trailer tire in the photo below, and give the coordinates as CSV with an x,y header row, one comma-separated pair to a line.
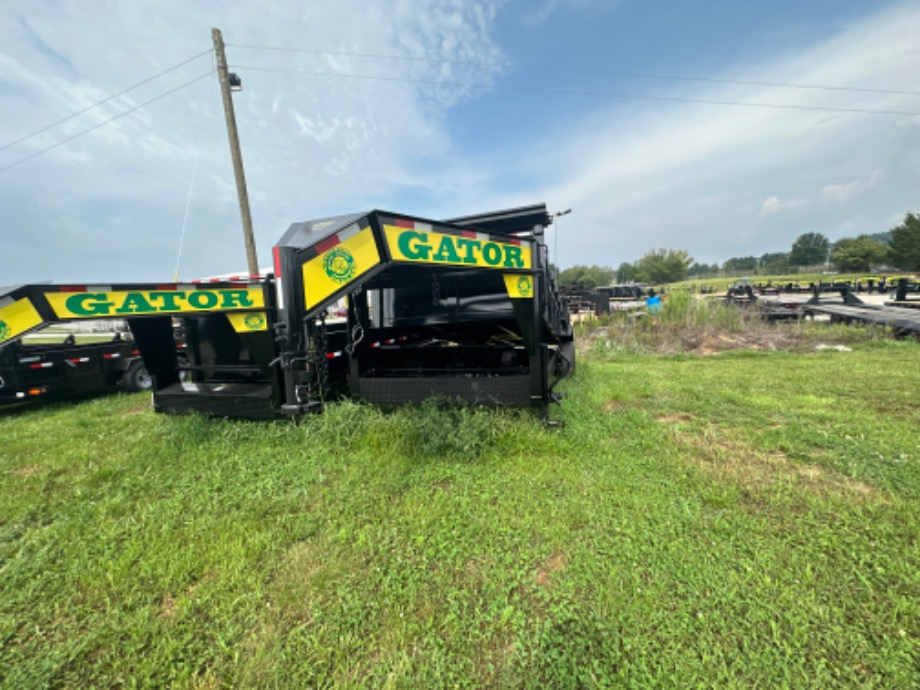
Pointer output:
x,y
136,378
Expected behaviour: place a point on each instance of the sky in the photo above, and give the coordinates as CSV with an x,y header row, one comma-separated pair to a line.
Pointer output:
x,y
667,124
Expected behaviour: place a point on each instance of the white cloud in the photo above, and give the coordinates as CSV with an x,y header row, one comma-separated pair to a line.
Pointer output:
x,y
774,205
842,193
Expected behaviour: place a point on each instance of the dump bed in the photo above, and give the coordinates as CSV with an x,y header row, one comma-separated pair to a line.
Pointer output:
x,y
464,309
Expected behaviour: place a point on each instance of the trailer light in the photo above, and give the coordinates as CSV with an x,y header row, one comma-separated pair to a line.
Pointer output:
x,y
41,365
36,391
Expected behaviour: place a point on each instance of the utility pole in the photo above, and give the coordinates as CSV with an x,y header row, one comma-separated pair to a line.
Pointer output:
x,y
225,84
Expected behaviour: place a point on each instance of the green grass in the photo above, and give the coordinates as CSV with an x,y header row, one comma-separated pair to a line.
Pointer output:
x,y
741,520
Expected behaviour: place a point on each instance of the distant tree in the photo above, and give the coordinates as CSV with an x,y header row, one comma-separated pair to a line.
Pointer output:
x,y
809,249
664,266
586,277
858,253
774,260
905,244
627,273
881,236
740,263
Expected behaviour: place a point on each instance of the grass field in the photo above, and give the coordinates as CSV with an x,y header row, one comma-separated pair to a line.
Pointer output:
x,y
738,520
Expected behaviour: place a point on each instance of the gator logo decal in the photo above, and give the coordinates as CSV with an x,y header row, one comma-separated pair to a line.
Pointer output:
x,y
254,322
525,286
4,330
339,265
519,286
334,269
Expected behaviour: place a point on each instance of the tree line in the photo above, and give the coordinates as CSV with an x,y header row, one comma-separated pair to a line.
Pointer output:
x,y
898,248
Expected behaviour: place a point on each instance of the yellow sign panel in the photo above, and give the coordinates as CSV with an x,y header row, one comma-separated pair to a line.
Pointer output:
x,y
419,246
249,322
326,273
17,318
518,286
99,305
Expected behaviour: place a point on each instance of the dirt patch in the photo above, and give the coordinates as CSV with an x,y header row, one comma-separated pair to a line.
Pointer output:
x,y
614,405
144,406
679,418
444,486
557,562
758,470
28,471
169,603
167,607
714,343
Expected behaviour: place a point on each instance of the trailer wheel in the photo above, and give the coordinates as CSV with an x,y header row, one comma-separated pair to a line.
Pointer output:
x,y
136,378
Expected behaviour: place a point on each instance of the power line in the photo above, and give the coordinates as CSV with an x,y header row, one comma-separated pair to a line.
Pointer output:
x,y
576,70
112,119
596,94
104,101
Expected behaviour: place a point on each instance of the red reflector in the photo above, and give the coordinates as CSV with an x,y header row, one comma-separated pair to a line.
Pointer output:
x,y
72,288
327,244
135,352
469,233
167,287
401,223
277,255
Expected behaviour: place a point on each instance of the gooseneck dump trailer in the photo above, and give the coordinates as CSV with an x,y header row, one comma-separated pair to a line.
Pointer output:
x,y
464,309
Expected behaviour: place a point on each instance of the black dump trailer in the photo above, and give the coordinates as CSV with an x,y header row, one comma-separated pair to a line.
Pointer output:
x,y
64,369
56,366
464,309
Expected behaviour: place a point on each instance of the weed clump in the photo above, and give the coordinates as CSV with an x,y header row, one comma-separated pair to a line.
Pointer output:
x,y
449,429
691,325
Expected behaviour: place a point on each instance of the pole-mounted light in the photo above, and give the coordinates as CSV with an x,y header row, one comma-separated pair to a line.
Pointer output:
x,y
555,217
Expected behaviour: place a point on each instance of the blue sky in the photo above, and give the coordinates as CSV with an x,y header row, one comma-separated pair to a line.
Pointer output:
x,y
484,129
